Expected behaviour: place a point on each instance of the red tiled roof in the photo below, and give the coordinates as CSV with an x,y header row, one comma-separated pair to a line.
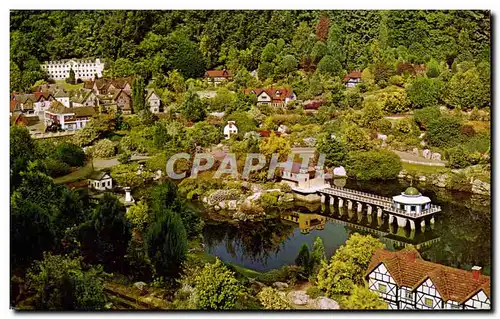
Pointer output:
x,y
353,75
266,133
218,74
313,105
13,104
276,94
407,268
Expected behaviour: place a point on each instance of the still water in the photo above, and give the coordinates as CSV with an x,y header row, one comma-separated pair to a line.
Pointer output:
x,y
460,237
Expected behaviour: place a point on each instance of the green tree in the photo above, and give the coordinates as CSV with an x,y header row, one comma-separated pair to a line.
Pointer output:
x,y
318,252
329,65
122,67
318,51
288,64
244,121
204,134
348,265
333,148
273,299
138,215
362,298
265,70
424,116
71,79
104,149
70,154
22,150
167,242
423,92
444,131
467,90
459,157
217,287
373,165
355,138
433,69
138,94
334,43
269,52
61,283
192,107
105,236
304,259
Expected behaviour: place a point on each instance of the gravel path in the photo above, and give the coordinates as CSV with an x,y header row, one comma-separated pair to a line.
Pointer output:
x,y
411,158
100,163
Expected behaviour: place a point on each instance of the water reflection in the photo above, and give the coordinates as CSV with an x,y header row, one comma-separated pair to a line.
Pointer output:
x,y
460,237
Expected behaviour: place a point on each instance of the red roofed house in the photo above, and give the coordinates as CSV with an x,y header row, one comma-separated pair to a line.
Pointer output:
x,y
352,79
273,96
218,76
406,281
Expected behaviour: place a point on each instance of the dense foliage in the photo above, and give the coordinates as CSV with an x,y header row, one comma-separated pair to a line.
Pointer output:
x,y
381,164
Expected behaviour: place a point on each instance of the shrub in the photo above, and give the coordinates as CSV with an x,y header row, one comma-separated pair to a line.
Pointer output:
x,y
397,80
423,91
458,157
55,167
273,299
70,154
424,116
383,126
217,287
467,130
444,131
304,259
61,283
314,292
348,265
104,149
362,298
373,165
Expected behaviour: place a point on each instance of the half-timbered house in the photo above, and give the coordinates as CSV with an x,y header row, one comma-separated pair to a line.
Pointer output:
x,y
406,281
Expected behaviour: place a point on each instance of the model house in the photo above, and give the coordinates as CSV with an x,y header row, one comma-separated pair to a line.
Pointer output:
x,y
352,79
68,118
216,77
406,281
274,96
85,69
153,101
230,129
100,181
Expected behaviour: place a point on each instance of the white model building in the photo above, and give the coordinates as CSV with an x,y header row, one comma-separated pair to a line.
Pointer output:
x,y
84,69
230,129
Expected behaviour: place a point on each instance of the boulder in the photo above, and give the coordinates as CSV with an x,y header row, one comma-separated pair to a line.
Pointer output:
x,y
283,129
381,136
217,207
232,204
325,303
298,297
415,151
423,143
440,180
422,178
339,171
421,136
141,286
222,205
480,187
426,154
436,156
310,141
280,285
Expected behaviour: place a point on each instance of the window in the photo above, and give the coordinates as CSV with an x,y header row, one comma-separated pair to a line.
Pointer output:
x,y
382,288
409,295
413,208
455,307
429,302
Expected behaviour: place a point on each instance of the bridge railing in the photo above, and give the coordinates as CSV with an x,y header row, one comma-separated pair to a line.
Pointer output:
x,y
352,191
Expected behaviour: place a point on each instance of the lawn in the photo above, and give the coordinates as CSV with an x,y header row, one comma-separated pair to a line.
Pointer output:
x,y
70,87
77,175
424,169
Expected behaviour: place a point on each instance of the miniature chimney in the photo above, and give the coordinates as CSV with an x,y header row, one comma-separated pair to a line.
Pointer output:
x,y
128,197
476,271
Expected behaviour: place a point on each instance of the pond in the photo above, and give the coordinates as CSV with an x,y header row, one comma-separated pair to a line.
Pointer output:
x,y
460,237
